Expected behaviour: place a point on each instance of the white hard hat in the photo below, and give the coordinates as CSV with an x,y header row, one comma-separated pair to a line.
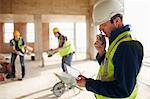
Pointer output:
x,y
105,9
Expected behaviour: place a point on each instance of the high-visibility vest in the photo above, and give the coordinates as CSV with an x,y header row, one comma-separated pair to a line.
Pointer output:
x,y
106,70
67,47
20,45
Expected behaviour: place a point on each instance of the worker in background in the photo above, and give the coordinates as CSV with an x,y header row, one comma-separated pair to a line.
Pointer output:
x,y
65,49
121,63
18,48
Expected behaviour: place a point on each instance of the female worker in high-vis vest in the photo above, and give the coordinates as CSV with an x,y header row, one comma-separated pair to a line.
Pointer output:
x,y
18,49
65,49
121,63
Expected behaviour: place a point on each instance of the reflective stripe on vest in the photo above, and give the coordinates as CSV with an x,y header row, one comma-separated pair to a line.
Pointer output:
x,y
106,70
66,49
21,47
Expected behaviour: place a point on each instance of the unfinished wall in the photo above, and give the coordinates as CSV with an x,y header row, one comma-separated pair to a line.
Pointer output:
x,y
44,6
4,48
21,27
1,36
5,6
45,30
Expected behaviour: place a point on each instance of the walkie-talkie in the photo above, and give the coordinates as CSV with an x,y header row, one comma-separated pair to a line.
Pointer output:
x,y
102,38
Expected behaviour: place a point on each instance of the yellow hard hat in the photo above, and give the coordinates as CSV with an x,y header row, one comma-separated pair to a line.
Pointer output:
x,y
16,33
55,29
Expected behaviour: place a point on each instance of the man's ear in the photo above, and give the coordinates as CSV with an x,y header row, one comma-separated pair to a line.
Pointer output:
x,y
117,22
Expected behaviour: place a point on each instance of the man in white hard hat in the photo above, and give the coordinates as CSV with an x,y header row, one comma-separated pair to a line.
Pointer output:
x,y
120,65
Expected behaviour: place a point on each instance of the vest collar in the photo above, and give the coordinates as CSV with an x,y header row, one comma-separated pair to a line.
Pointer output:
x,y
115,33
18,39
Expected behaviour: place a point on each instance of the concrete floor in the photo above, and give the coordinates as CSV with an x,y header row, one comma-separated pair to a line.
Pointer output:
x,y
39,81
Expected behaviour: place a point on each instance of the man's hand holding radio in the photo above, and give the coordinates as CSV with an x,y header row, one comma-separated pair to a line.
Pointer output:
x,y
100,44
